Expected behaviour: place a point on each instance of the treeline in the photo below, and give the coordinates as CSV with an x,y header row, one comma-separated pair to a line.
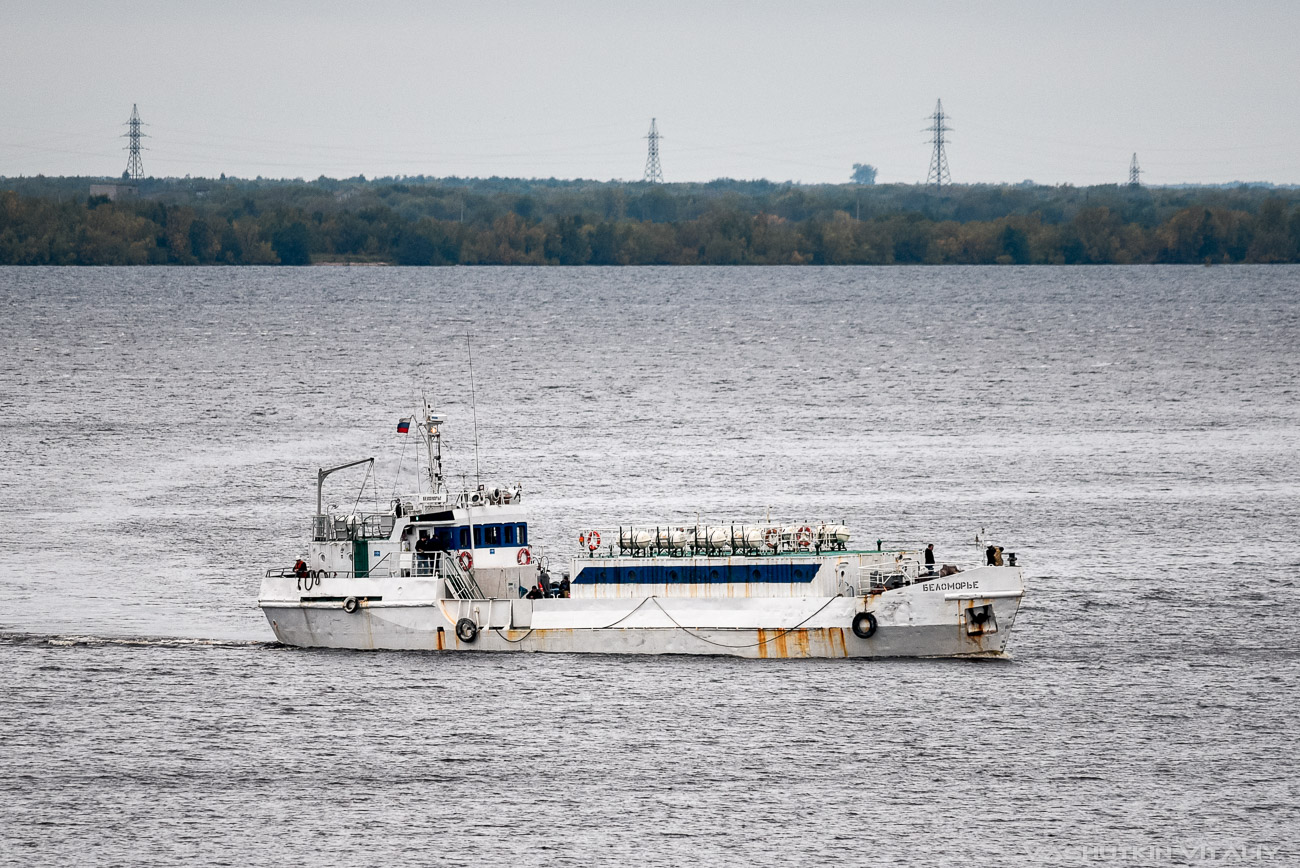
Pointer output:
x,y
53,221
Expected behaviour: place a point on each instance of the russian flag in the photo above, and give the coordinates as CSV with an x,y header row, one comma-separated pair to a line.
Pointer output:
x,y
404,425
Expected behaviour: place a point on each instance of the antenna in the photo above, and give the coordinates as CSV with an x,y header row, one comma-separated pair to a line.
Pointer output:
x,y
653,173
431,429
939,160
473,404
134,168
1134,172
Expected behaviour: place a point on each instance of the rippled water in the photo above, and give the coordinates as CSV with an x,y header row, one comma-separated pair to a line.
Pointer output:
x,y
1132,432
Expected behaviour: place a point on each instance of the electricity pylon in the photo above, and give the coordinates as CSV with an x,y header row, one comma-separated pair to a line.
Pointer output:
x,y
653,173
134,168
938,173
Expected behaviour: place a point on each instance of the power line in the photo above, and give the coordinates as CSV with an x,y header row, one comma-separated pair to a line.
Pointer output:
x,y
134,168
938,160
653,173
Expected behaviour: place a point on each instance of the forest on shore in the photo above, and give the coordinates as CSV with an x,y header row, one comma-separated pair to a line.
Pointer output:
x,y
506,221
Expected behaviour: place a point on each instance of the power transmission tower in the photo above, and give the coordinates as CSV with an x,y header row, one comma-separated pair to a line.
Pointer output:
x,y
134,168
1134,172
653,173
938,173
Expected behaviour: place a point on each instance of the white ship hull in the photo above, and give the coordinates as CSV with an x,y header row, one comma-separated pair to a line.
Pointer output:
x,y
929,618
441,571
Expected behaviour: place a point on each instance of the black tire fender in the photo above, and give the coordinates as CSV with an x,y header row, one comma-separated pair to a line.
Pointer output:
x,y
864,625
351,604
466,630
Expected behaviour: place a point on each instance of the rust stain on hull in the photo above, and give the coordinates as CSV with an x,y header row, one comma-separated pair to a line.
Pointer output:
x,y
781,649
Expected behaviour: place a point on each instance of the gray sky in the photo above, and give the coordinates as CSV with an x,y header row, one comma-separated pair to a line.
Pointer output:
x,y
1051,91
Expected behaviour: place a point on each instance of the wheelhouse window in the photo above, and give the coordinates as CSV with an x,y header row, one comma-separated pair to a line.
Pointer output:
x,y
522,536
507,534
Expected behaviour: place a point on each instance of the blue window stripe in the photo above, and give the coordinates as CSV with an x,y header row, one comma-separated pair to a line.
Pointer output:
x,y
695,574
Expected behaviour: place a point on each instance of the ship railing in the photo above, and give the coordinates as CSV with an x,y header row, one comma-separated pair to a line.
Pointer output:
x,y
369,525
444,565
427,565
720,538
887,577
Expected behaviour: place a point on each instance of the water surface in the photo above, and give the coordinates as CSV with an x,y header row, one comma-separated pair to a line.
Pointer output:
x,y
1131,432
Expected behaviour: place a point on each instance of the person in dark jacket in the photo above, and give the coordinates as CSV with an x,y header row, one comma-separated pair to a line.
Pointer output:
x,y
929,559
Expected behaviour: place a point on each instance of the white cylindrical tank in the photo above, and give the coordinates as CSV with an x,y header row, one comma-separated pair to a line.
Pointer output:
x,y
671,537
717,537
635,538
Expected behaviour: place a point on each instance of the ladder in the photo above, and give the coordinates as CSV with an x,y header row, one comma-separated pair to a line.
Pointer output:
x,y
461,583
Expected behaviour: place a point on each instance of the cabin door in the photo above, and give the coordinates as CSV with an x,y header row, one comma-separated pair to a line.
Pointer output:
x,y
361,559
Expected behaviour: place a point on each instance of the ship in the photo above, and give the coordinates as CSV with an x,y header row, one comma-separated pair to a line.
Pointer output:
x,y
456,570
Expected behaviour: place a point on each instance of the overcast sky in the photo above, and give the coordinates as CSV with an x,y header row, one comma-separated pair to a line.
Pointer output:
x,y
797,90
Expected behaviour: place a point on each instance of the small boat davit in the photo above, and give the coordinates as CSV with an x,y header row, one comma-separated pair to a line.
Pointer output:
x,y
457,571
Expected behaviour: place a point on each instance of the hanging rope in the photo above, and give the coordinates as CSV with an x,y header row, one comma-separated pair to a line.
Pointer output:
x,y
751,644
687,630
369,467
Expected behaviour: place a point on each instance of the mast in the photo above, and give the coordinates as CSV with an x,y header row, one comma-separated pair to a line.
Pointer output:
x,y
473,404
430,430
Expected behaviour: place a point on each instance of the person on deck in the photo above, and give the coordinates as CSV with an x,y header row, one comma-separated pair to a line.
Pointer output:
x,y
300,568
423,545
929,559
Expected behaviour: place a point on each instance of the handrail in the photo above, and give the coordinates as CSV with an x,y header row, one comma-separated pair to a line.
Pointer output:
x,y
694,540
358,526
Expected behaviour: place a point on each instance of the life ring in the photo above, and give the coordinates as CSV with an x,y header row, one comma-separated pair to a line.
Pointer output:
x,y
466,630
524,557
864,625
593,540
772,537
466,560
350,605
803,537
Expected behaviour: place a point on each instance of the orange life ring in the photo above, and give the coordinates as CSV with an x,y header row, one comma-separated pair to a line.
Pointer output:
x,y
524,557
772,537
593,540
466,560
803,537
